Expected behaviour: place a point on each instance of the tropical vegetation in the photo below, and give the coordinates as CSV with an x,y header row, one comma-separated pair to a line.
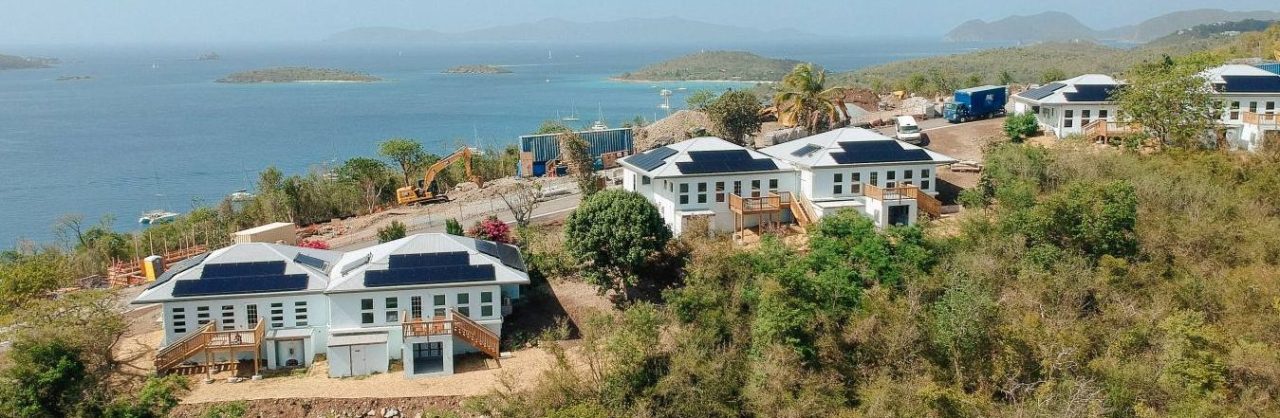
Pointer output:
x,y
806,99
735,115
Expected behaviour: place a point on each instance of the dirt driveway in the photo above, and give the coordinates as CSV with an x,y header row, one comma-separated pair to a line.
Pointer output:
x,y
963,141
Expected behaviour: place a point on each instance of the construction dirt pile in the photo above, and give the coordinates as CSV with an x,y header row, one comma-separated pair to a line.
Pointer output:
x,y
671,129
336,407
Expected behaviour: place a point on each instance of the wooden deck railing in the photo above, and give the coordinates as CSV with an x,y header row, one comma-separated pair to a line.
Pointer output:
x,y
456,324
1103,129
178,352
238,338
129,273
1270,120
924,201
772,202
802,211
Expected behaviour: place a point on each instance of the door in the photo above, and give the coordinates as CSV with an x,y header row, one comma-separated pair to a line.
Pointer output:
x,y
358,363
899,215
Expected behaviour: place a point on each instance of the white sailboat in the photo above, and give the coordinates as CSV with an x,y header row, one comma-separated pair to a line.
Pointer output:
x,y
157,216
599,123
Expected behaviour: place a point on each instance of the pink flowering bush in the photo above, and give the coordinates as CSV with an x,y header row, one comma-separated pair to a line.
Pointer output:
x,y
491,229
314,243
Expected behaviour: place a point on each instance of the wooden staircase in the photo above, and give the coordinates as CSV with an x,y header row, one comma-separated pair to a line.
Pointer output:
x,y
208,339
456,324
802,211
173,355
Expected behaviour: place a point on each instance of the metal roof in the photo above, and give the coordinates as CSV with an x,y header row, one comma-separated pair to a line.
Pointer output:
x,y
849,146
361,338
433,259
701,156
240,269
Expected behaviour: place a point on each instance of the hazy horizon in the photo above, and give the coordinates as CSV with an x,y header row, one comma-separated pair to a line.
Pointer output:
x,y
239,21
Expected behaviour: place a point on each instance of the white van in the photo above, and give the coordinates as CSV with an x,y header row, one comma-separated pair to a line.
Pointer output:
x,y
908,130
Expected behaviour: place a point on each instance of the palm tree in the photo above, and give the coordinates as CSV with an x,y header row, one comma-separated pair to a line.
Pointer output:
x,y
804,99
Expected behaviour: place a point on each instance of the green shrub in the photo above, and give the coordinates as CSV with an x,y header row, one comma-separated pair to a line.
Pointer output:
x,y
393,231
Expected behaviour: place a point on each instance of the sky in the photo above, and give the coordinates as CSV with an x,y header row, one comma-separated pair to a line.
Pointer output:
x,y
214,21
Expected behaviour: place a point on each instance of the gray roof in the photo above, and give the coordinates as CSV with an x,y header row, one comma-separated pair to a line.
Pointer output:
x,y
349,274
852,146
192,269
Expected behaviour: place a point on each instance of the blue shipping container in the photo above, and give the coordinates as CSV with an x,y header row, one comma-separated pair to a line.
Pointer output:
x,y
546,147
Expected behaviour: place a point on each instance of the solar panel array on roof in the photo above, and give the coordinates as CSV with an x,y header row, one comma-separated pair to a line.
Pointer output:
x,y
508,254
1042,91
1091,93
311,261
880,151
651,159
806,150
429,275
724,161
448,258
429,268
177,268
356,264
239,285
256,268
1251,84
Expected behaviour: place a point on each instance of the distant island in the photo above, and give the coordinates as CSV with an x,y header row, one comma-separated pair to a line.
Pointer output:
x,y
632,31
477,69
298,75
715,66
1058,26
14,62
74,78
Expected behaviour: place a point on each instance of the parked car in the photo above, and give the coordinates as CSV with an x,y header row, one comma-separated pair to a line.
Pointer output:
x,y
908,130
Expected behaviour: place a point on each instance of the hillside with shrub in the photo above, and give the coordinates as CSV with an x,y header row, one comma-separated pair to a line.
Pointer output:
x,y
714,65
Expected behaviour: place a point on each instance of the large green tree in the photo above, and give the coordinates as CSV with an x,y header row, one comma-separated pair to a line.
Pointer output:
x,y
406,153
370,174
611,235
804,99
1170,100
735,114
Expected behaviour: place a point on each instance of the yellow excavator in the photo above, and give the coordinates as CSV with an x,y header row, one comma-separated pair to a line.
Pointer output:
x,y
427,190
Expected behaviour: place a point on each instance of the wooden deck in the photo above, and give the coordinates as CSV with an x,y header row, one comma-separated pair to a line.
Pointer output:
x,y
209,340
1266,121
924,201
1101,129
129,273
456,324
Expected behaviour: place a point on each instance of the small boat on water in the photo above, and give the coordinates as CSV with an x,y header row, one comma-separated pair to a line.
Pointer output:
x,y
241,195
157,217
599,126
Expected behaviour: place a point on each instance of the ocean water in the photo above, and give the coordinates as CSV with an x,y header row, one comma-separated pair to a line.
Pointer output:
x,y
151,129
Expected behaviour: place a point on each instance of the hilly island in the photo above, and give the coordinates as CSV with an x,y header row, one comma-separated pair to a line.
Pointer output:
x,y
714,66
297,75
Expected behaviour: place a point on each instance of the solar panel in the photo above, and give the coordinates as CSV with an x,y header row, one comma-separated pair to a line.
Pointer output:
x,y
1091,93
508,254
1251,84
450,258
1042,91
356,264
311,261
429,275
650,159
724,161
806,150
880,151
257,268
177,268
239,285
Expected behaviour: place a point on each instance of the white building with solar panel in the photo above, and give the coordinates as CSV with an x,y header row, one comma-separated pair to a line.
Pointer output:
x,y
1067,107
797,182
422,299
1249,97
729,186
888,180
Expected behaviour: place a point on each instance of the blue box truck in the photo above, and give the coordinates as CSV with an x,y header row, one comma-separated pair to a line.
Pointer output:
x,y
976,103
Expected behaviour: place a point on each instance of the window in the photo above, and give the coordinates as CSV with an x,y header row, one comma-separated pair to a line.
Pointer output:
x,y
702,192
300,313
229,316
891,175
1235,110
179,321
389,305
1253,107
737,188
393,303
366,305
465,311
438,303
486,304
875,178
924,184
755,188
719,192
645,180
391,317
1086,114
1067,123
855,186
277,315
1271,106
773,185
251,314
684,190
906,174
1102,114
202,315
837,184
464,298
415,306
924,173
1068,118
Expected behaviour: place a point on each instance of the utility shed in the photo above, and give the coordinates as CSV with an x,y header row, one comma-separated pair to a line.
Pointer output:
x,y
274,233
358,354
537,150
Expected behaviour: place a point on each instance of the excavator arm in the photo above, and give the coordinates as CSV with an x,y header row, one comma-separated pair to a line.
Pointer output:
x,y
410,195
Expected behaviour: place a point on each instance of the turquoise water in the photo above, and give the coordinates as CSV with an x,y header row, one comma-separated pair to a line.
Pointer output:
x,y
152,130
